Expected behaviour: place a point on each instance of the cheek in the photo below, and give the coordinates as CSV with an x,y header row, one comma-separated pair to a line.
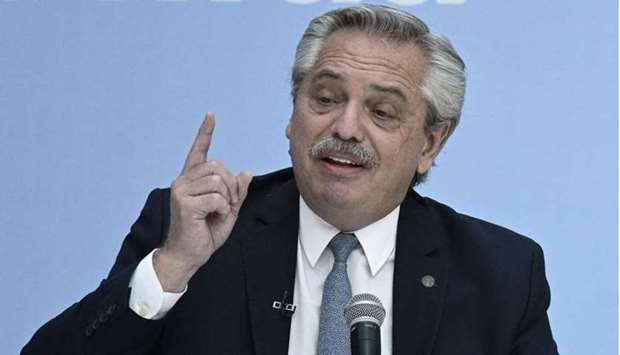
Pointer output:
x,y
414,140
298,133
300,136
306,128
401,151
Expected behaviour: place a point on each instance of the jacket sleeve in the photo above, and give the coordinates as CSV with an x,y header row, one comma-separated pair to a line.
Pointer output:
x,y
102,322
534,336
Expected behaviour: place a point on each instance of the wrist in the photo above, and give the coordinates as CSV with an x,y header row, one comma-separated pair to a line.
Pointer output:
x,y
172,271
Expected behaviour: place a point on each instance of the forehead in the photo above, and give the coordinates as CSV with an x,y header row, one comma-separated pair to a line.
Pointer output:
x,y
371,60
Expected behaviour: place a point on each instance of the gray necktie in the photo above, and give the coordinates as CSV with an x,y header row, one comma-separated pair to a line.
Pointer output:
x,y
334,333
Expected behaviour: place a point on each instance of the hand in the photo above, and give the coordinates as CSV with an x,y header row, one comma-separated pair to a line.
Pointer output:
x,y
204,204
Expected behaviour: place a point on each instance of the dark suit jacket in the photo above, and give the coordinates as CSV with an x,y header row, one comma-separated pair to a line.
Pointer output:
x,y
490,294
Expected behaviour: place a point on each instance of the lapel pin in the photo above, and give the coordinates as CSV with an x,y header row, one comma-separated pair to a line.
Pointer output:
x,y
428,281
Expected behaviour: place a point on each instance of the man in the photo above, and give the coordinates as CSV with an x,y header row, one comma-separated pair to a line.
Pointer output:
x,y
375,96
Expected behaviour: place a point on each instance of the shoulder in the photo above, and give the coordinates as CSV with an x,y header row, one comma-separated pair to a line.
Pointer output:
x,y
476,241
496,276
480,231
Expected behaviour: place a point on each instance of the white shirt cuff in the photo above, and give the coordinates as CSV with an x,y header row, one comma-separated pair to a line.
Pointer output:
x,y
147,297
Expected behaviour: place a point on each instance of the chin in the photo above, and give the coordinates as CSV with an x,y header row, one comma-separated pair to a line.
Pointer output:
x,y
339,195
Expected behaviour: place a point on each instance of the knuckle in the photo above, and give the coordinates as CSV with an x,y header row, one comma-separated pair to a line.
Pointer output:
x,y
217,179
219,199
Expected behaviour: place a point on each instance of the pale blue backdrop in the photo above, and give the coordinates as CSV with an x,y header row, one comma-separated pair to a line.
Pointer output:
x,y
100,100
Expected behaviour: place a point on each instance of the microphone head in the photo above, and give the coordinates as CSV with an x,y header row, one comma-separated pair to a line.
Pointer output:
x,y
364,307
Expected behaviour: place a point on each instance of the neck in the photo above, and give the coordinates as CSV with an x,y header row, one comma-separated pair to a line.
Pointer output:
x,y
348,219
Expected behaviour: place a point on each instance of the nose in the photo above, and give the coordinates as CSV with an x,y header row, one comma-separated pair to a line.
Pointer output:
x,y
348,124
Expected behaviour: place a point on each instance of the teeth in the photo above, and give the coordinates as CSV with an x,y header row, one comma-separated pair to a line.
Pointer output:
x,y
343,161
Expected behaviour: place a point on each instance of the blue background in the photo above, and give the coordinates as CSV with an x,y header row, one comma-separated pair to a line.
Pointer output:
x,y
100,101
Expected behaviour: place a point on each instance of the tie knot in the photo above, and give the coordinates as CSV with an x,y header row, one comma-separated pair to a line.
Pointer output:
x,y
342,245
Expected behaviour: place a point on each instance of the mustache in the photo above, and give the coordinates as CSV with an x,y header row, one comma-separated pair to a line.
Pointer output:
x,y
329,144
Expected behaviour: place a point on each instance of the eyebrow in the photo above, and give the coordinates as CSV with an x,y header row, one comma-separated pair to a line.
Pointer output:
x,y
326,74
392,90
389,90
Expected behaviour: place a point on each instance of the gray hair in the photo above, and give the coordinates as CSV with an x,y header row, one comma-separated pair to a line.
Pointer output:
x,y
443,87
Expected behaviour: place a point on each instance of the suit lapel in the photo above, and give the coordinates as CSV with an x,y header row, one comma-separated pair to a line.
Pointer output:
x,y
270,255
420,254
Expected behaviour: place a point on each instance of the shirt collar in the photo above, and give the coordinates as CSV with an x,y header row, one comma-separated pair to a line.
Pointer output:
x,y
377,239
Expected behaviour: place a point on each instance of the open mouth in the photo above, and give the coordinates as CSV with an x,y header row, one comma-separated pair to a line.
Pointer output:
x,y
342,162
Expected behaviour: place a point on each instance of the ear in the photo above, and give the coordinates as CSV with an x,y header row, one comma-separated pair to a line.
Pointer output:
x,y
434,143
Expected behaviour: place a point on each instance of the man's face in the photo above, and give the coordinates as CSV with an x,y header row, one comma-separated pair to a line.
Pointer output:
x,y
357,131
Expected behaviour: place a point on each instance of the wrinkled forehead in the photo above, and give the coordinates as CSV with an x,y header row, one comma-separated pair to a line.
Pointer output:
x,y
406,54
377,59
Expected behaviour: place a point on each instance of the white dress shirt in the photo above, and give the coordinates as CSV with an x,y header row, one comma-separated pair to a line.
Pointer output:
x,y
370,269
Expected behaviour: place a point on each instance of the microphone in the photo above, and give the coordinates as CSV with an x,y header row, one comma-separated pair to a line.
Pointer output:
x,y
286,309
365,314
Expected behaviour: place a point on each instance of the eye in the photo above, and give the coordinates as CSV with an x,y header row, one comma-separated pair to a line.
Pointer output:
x,y
384,112
381,114
324,100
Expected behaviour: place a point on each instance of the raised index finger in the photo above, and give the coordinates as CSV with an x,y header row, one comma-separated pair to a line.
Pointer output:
x,y
200,148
